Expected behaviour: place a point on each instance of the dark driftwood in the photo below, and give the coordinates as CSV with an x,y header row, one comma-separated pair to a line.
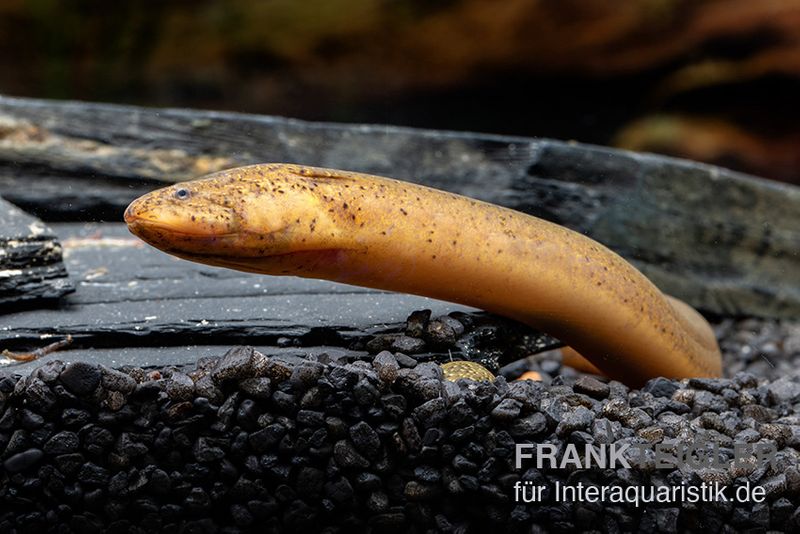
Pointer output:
x,y
725,242
138,306
30,260
131,295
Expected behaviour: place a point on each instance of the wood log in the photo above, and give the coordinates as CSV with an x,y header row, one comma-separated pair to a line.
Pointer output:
x,y
138,306
725,242
31,267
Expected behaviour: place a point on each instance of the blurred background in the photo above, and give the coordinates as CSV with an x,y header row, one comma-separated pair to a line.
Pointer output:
x,y
711,80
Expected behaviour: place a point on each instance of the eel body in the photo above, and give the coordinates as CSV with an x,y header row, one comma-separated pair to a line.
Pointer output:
x,y
282,219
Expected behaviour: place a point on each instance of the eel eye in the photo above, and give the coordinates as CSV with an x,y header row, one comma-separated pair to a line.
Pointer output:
x,y
182,194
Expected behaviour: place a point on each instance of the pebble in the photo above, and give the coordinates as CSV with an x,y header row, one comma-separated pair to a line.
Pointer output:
x,y
589,385
117,380
40,396
416,323
529,426
62,443
179,387
236,364
430,412
705,401
306,374
245,442
507,410
257,387
262,440
22,461
365,439
452,322
347,456
386,366
407,344
784,390
441,333
93,474
405,361
578,419
661,387
80,378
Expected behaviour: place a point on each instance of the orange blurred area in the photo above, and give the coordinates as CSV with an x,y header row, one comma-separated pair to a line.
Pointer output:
x,y
713,80
530,375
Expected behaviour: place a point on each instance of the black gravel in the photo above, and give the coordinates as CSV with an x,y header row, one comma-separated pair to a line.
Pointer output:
x,y
249,443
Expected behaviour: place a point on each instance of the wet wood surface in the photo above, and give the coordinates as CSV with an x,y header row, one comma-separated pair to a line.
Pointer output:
x,y
135,305
725,242
30,260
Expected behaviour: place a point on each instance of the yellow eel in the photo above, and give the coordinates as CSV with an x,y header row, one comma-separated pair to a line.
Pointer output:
x,y
282,219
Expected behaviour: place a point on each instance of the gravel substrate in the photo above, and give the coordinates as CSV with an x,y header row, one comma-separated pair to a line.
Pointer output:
x,y
249,443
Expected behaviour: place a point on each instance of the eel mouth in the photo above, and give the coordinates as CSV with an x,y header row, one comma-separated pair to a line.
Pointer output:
x,y
297,262
141,226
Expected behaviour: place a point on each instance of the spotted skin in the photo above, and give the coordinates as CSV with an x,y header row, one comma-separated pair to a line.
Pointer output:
x,y
364,230
464,369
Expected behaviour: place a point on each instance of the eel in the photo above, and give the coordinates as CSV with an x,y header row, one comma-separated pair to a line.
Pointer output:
x,y
285,219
